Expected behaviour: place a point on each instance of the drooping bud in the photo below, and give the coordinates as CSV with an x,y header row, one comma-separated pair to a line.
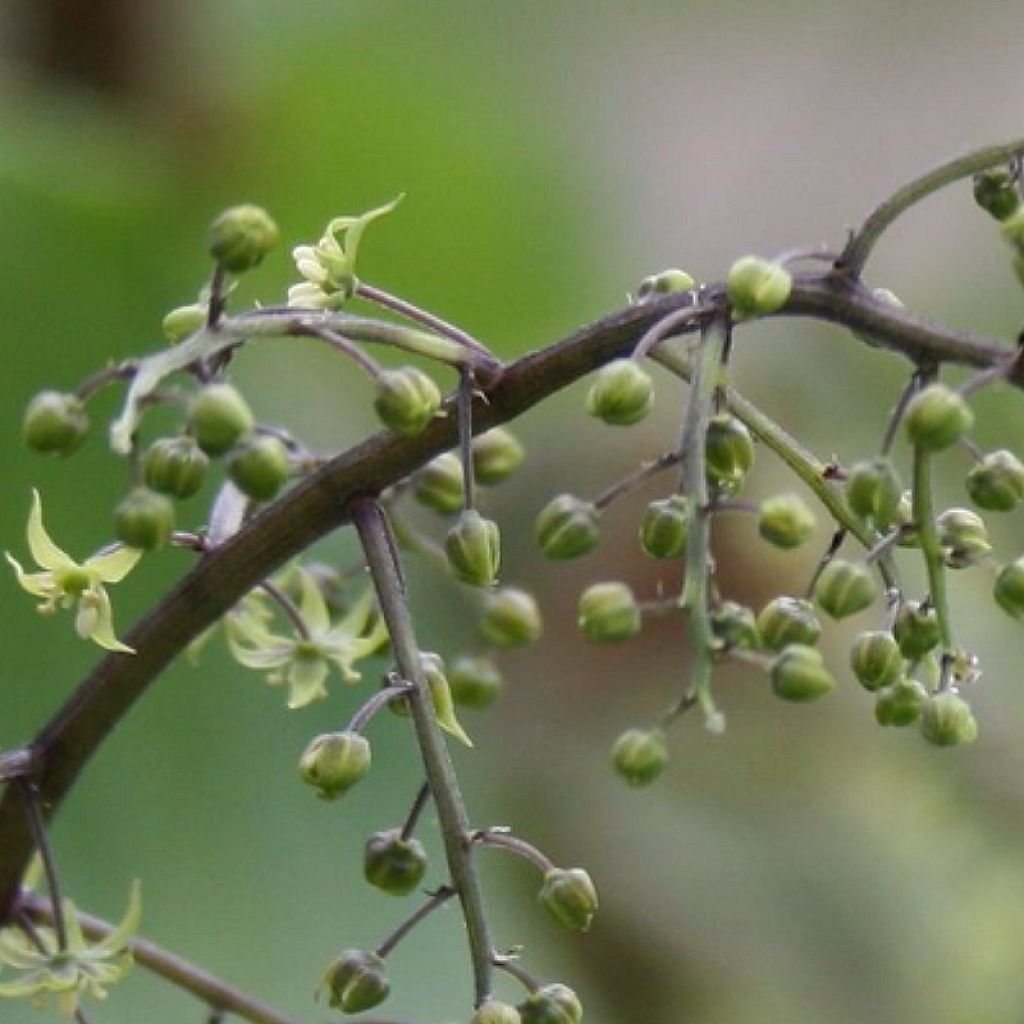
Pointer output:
x,y
937,417
497,454
996,483
947,721
788,620
241,236
491,1011
334,762
473,547
873,492
798,674
355,981
475,681
567,527
729,452
439,484
664,527
900,705
259,466
608,612
55,423
756,286
182,321
570,897
668,282
511,618
622,393
916,629
219,418
640,755
876,660
1009,588
407,400
963,537
845,588
144,519
996,192
175,466
393,864
786,521
551,1004
734,625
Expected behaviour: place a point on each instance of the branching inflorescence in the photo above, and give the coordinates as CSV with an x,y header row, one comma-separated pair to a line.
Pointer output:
x,y
303,623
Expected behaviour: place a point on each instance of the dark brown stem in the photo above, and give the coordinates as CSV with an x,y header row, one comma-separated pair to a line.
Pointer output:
x,y
42,843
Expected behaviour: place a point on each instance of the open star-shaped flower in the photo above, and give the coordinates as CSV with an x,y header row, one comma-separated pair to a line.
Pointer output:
x,y
64,582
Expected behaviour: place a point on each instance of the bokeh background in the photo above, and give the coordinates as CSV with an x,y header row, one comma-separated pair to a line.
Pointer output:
x,y
808,866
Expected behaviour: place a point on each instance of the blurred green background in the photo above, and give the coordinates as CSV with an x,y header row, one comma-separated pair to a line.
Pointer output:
x,y
807,866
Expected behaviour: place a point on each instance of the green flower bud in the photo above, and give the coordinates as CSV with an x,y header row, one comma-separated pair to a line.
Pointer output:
x,y
873,492
175,466
259,466
497,454
900,705
729,453
144,519
668,282
393,864
241,236
439,484
473,547
441,700
183,321
937,417
219,418
756,286
511,618
798,674
475,681
996,483
995,191
916,630
608,612
639,756
663,529
407,400
1012,229
334,762
355,981
55,423
569,895
734,625
786,521
788,620
493,1012
876,660
567,527
551,1004
845,588
947,721
622,393
1009,588
963,537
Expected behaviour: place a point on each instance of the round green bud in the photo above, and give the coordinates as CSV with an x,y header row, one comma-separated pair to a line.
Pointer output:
x,y
144,519
937,417
668,282
798,674
473,547
1009,588
873,492
439,484
183,321
729,453
497,454
491,1011
259,466
1012,229
219,418
734,625
756,286
175,466
55,423
947,721
334,762
845,588
786,521
407,400
511,618
393,864
664,527
995,191
241,236
475,681
900,705
916,629
608,612
567,527
568,894
788,620
551,1004
639,755
355,981
963,537
876,660
622,393
996,483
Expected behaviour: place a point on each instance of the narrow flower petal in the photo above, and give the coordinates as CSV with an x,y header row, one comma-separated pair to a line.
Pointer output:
x,y
72,927
112,566
312,605
95,620
306,681
117,940
38,584
46,554
274,656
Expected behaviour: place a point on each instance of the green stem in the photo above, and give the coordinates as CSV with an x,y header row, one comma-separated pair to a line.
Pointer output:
x,y
928,541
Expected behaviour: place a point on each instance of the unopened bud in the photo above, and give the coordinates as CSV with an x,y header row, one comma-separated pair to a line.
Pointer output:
x,y
439,484
497,454
786,521
734,625
175,466
511,618
664,527
219,418
55,423
393,864
259,466
729,453
845,588
916,629
937,417
569,895
473,547
947,721
900,705
551,1004
182,321
996,192
144,519
996,483
567,527
608,612
668,282
876,660
407,400
491,1011
873,492
798,674
475,681
963,537
1009,588
334,762
622,393
756,286
355,981
640,755
241,236
788,620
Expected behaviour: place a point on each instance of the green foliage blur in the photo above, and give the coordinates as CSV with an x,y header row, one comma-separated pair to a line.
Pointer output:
x,y
807,866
